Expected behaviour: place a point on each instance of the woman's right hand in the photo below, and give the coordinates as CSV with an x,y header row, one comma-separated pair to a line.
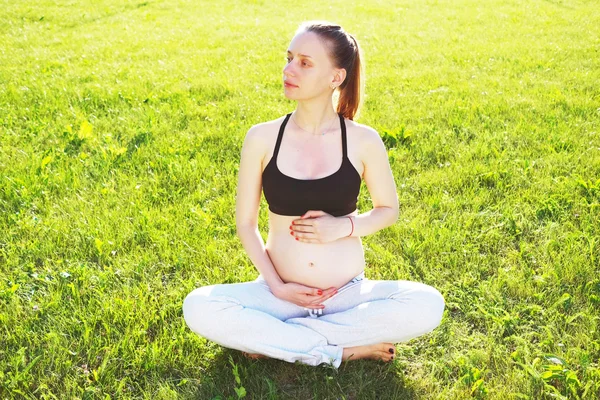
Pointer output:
x,y
303,296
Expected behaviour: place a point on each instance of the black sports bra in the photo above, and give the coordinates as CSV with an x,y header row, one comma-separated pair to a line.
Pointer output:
x,y
336,194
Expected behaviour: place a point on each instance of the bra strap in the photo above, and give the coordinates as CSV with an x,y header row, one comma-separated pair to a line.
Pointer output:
x,y
344,144
280,136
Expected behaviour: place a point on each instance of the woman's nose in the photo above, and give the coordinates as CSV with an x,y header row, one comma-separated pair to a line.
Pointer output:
x,y
288,70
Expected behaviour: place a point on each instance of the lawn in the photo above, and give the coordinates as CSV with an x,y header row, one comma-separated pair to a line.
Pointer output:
x,y
121,125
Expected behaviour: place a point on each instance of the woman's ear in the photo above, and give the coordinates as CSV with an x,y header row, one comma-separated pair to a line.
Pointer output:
x,y
339,76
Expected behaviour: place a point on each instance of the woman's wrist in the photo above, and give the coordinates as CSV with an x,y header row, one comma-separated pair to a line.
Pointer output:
x,y
352,222
275,285
348,226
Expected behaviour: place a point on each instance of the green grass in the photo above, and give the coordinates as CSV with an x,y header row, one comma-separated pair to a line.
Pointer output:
x,y
120,131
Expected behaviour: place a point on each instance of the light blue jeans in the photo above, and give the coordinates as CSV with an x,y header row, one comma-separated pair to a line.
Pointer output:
x,y
248,317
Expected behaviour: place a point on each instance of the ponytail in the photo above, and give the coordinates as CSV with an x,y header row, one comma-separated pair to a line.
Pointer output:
x,y
350,90
345,53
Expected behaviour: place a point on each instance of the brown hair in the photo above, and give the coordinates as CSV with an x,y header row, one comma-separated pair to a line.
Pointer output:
x,y
345,53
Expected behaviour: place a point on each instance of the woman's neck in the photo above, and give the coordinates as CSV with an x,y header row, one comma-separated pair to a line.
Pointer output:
x,y
314,116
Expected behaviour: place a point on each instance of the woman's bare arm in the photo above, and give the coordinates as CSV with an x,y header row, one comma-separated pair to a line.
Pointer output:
x,y
247,205
381,185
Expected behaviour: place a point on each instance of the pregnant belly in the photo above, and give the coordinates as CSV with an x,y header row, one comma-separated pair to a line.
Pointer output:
x,y
316,265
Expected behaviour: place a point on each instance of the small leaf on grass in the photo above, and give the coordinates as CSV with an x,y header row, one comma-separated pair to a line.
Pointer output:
x,y
547,375
529,370
241,392
13,288
117,150
31,364
572,378
98,243
85,130
478,386
564,301
47,160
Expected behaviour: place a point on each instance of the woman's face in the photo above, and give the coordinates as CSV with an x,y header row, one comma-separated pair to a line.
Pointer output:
x,y
309,71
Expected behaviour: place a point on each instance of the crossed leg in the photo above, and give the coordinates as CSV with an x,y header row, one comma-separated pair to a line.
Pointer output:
x,y
380,351
362,320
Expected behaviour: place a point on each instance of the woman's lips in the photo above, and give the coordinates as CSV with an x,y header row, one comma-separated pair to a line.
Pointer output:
x,y
289,85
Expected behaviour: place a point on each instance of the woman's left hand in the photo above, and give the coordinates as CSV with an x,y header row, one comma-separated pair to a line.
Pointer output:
x,y
320,227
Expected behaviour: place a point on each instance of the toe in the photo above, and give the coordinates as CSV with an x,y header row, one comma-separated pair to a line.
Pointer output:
x,y
388,348
384,355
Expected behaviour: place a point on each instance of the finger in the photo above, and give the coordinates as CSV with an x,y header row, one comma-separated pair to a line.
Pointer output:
x,y
310,291
313,291
299,224
316,303
303,229
310,299
307,301
309,240
306,214
307,236
313,213
321,299
328,293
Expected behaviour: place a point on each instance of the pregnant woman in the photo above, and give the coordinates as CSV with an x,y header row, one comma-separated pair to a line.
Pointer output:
x,y
312,302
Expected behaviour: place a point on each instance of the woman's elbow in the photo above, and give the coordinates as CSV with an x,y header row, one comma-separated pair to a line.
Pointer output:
x,y
243,227
394,215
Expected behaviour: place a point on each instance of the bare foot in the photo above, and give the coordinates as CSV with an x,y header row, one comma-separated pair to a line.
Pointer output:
x,y
253,356
379,351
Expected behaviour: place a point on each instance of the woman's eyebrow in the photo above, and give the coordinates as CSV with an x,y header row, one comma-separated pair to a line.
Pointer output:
x,y
300,54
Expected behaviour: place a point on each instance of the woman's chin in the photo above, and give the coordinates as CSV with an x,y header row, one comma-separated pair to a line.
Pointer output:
x,y
290,96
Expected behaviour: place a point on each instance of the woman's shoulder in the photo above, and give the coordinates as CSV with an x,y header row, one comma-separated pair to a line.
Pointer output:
x,y
264,134
263,129
363,134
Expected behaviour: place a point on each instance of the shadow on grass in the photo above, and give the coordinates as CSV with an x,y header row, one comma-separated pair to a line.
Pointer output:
x,y
275,379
